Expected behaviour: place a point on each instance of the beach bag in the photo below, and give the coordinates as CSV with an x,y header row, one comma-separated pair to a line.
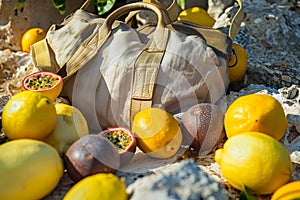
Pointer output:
x,y
112,70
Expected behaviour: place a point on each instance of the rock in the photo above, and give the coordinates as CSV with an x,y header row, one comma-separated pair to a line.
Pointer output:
x,y
295,156
14,66
291,105
14,22
292,137
183,180
272,31
269,33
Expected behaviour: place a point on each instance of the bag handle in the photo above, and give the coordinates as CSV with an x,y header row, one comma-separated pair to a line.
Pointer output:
x,y
107,25
172,9
236,21
90,46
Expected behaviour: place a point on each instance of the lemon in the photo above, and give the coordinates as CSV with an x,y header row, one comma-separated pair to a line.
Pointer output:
x,y
70,126
30,169
256,112
32,36
158,133
99,186
256,161
238,67
28,114
288,191
197,15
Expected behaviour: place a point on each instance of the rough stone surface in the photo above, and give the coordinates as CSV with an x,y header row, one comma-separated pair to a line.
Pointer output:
x,y
13,67
270,34
183,180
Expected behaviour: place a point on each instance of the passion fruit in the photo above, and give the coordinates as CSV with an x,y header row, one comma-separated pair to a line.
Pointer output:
x,y
49,83
124,140
203,124
91,154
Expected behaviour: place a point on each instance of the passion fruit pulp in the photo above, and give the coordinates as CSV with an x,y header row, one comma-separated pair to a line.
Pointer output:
x,y
46,82
124,140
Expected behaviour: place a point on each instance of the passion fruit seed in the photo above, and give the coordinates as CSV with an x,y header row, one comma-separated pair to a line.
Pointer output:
x,y
119,138
41,81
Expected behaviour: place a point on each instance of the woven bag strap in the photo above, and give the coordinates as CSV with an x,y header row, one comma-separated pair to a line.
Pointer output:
x,y
145,72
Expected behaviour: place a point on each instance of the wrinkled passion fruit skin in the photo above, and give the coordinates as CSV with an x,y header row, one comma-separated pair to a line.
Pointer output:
x,y
89,155
124,140
203,125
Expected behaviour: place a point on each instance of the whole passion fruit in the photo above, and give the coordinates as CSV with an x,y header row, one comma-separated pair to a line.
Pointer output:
x,y
48,83
124,140
89,155
204,127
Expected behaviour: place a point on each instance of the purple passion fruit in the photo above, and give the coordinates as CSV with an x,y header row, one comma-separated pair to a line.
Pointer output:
x,y
46,82
204,126
89,155
124,140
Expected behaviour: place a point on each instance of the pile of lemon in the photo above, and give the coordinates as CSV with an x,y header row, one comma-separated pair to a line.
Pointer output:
x,y
252,157
39,131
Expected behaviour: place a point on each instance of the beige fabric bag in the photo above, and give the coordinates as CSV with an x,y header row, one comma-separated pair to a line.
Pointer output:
x,y
112,70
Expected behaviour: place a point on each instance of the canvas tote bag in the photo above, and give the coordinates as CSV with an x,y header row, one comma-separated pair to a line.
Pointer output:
x,y
111,70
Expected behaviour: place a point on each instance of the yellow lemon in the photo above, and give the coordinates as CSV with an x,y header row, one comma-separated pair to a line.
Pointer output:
x,y
288,191
256,161
99,186
256,112
158,133
28,114
30,169
238,67
197,15
32,36
70,126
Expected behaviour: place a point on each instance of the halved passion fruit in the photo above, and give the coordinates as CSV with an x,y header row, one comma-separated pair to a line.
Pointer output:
x,y
124,140
46,82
